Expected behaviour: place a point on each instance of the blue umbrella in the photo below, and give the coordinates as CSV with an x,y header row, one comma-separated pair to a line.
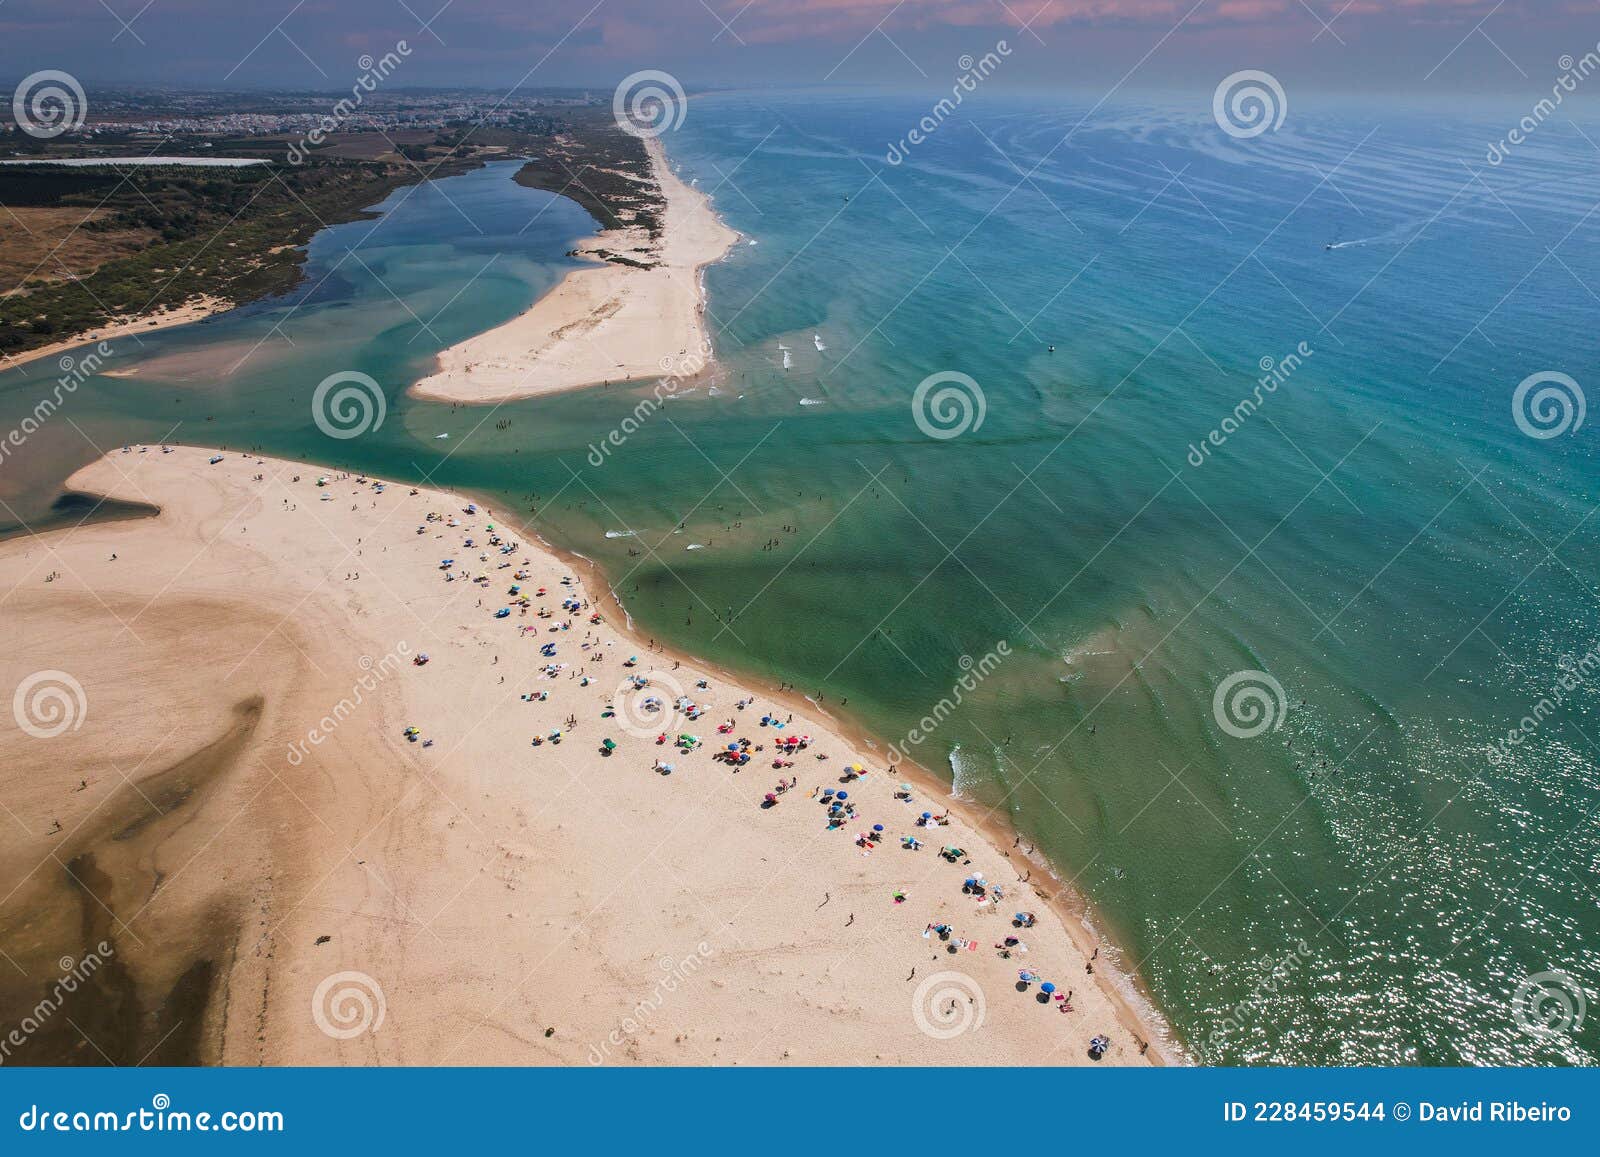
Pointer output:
x,y
877,827
927,815
1047,987
844,795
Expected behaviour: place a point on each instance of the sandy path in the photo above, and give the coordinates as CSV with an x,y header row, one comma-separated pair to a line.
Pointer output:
x,y
605,323
513,903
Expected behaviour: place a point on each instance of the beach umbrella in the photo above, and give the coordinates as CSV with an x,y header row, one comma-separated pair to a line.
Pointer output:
x,y
733,747
905,787
927,815
844,795
1047,987
877,827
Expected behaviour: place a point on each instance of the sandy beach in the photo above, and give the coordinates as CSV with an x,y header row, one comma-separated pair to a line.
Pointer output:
x,y
604,323
196,310
226,800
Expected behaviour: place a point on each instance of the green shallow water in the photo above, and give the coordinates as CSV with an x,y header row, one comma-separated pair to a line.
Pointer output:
x,y
1362,884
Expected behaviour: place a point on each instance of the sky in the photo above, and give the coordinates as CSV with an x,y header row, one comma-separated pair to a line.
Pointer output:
x,y
1357,46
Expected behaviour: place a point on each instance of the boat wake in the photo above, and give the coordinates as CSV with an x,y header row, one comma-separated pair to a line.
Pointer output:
x,y
1403,233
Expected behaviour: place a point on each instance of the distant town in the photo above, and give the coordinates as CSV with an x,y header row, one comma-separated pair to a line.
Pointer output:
x,y
115,115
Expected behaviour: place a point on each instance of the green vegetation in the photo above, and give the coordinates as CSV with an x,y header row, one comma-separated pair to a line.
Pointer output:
x,y
94,245
228,233
602,168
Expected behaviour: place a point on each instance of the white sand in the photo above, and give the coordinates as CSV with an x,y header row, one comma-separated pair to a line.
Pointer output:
x,y
195,310
491,889
608,323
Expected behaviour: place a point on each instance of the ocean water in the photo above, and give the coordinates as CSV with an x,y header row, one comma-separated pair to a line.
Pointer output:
x,y
1373,555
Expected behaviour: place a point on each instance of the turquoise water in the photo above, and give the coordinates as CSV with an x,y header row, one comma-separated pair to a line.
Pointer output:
x,y
1363,884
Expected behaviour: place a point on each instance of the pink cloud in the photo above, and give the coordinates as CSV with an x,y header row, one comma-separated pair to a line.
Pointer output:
x,y
814,18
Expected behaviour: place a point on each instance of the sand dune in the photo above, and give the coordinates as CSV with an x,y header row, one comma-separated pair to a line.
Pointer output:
x,y
606,323
267,846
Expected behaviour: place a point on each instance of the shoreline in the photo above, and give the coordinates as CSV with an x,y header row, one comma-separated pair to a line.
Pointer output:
x,y
566,340
785,970
1124,988
147,323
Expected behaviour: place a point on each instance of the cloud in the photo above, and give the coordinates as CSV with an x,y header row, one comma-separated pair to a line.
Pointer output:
x,y
585,42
